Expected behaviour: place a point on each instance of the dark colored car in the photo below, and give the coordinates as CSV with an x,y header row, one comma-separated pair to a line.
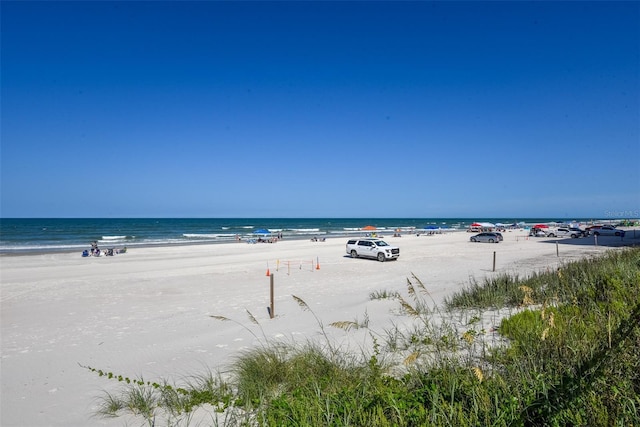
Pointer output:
x,y
487,238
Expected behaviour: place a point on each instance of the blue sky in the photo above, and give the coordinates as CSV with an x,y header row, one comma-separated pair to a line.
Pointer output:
x,y
320,109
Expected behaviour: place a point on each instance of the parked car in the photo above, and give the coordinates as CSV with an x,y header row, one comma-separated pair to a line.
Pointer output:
x,y
580,232
486,238
372,248
607,230
564,232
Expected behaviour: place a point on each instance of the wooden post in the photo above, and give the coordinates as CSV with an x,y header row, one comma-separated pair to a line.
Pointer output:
x,y
271,310
494,260
557,250
596,239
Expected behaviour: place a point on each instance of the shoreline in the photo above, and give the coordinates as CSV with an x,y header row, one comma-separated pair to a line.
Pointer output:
x,y
32,235
359,234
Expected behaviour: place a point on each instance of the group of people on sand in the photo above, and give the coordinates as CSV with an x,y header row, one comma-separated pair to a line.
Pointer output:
x,y
273,239
96,251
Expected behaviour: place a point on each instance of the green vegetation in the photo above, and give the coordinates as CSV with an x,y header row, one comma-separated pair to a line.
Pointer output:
x,y
567,354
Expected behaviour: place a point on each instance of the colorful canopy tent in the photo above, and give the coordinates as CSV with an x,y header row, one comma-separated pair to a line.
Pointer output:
x,y
261,231
540,226
369,227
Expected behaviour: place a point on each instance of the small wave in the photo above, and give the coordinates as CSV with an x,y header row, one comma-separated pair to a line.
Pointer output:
x,y
305,230
207,236
114,237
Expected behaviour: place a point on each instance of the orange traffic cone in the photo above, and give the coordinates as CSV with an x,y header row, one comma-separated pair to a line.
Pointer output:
x,y
318,264
268,272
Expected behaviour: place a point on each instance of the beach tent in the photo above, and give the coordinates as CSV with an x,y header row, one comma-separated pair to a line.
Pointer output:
x,y
261,231
540,226
431,227
369,227
476,224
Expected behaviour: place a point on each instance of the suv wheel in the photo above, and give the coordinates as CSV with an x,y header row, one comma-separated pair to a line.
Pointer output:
x,y
354,254
491,241
551,235
381,257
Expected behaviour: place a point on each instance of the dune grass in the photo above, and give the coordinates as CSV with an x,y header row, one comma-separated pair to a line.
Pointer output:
x,y
567,353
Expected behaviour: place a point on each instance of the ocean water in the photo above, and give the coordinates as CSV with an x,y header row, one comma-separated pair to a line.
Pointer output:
x,y
37,235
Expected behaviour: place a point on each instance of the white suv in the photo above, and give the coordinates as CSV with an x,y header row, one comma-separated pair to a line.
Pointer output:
x,y
564,232
372,248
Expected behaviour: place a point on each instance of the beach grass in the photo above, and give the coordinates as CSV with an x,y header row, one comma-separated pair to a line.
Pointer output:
x,y
561,348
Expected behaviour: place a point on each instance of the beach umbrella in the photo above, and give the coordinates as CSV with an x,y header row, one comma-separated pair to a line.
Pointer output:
x,y
368,227
541,226
261,231
476,224
431,227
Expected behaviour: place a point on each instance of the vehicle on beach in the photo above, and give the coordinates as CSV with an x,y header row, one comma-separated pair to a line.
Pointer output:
x,y
580,232
372,248
486,238
564,232
606,230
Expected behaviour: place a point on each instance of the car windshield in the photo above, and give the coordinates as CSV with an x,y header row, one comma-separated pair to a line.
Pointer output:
x,y
381,243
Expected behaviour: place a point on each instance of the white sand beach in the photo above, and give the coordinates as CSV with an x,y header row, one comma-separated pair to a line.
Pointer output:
x,y
147,312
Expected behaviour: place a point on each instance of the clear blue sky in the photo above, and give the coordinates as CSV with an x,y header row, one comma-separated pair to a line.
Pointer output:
x,y
320,109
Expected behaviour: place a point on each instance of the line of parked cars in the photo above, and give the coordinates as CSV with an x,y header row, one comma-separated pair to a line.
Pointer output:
x,y
575,232
382,251
572,232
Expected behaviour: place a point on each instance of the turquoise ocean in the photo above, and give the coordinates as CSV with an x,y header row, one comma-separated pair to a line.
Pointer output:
x,y
42,235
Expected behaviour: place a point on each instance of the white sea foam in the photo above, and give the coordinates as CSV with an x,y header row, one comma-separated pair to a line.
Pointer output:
x,y
207,236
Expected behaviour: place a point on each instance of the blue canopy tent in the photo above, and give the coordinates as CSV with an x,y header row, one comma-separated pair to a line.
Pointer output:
x,y
261,231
